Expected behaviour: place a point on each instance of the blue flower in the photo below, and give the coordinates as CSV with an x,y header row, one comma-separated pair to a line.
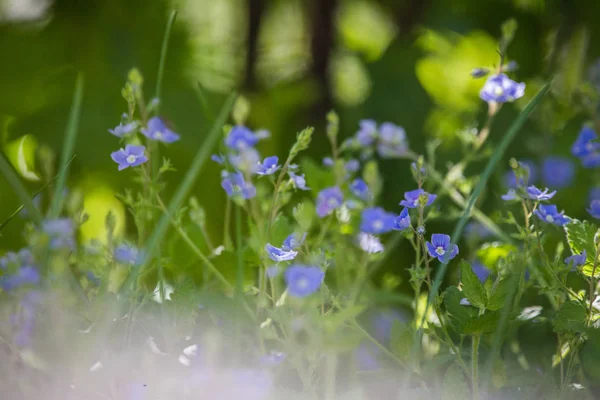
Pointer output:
x,y
367,133
269,166
122,130
369,243
272,359
377,221
360,189
576,260
439,247
127,254
558,172
157,130
218,158
479,72
480,270
539,195
402,221
130,156
246,160
298,180
411,199
328,161
352,165
594,209
293,241
549,213
241,138
594,194
328,200
511,181
392,141
234,185
303,280
585,145
501,89
367,356
278,255
510,195
61,232
25,275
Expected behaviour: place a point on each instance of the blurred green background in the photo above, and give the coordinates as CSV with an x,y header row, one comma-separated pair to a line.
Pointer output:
x,y
402,61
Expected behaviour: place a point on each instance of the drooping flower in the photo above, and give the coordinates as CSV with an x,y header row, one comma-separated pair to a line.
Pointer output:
x,y
370,243
402,221
130,156
157,130
549,213
367,133
303,280
376,220
293,241
352,165
360,189
392,141
440,248
241,138
122,130
411,199
299,181
60,231
576,260
127,254
328,200
558,172
594,209
536,194
235,184
269,166
501,89
278,255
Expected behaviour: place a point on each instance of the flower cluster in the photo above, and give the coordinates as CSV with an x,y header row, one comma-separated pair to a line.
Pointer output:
x,y
18,269
500,88
388,140
587,148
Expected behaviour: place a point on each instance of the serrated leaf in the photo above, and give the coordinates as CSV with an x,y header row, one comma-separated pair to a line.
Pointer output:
x,y
472,287
455,384
570,317
499,295
580,236
460,315
483,324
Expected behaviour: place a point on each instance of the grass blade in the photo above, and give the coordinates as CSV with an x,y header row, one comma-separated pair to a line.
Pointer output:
x,y
13,180
163,55
498,154
69,145
182,191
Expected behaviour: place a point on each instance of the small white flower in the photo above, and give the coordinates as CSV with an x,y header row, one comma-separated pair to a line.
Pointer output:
x,y
530,313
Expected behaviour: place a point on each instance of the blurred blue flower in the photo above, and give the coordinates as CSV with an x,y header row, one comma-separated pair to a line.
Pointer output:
x,y
127,254
411,199
594,209
370,243
360,189
269,166
558,172
480,270
479,72
246,160
402,221
585,144
383,323
366,356
594,194
272,359
549,213
328,161
218,158
293,241
157,130
392,141
298,180
536,194
328,200
303,280
93,279
130,156
501,89
367,133
478,230
510,195
576,260
122,130
352,165
440,248
420,230
241,138
61,233
278,255
234,185
25,275
272,272
376,220
510,179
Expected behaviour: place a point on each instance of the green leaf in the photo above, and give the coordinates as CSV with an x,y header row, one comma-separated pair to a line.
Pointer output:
x,y
472,287
580,236
401,339
499,295
317,177
483,324
570,317
460,315
490,253
455,384
280,230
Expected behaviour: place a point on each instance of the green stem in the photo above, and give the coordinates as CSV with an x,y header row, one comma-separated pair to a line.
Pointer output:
x,y
475,366
240,255
163,55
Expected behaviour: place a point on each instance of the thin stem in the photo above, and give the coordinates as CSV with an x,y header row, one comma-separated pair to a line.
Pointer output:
x,y
475,366
592,287
239,251
163,54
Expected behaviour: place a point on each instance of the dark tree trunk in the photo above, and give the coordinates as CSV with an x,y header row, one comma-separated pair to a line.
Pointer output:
x,y
255,12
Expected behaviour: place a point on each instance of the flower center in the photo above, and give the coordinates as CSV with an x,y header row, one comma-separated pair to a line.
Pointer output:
x,y
333,203
158,135
131,158
440,251
302,283
416,202
498,91
549,218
